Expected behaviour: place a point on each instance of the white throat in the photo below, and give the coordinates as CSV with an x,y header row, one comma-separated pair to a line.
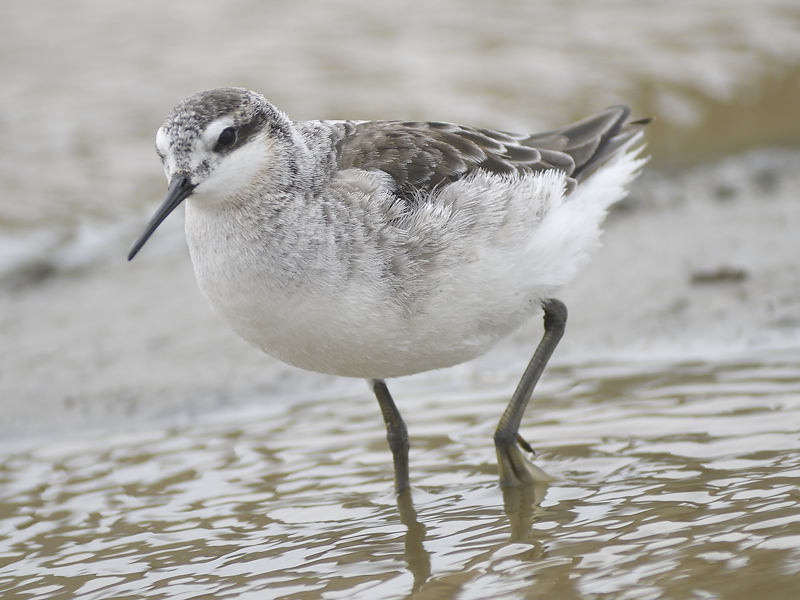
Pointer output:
x,y
236,173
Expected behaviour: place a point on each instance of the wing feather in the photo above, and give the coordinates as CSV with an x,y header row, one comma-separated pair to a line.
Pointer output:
x,y
420,156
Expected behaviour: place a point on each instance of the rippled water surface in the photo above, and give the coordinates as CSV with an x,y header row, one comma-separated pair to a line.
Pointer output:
x,y
676,480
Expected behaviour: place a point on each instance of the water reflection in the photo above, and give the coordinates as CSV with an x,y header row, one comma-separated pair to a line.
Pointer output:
x,y
418,560
521,505
674,480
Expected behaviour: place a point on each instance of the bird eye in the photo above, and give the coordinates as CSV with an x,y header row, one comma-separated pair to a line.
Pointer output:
x,y
227,138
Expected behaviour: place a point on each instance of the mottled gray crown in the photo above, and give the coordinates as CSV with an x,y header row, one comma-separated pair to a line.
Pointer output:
x,y
249,111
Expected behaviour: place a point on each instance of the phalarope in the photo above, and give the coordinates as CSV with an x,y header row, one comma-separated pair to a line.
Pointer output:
x,y
378,249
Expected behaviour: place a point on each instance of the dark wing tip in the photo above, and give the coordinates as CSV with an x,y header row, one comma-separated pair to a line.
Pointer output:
x,y
597,139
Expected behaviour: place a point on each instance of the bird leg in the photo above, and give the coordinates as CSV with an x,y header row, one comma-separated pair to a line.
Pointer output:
x,y
514,467
396,433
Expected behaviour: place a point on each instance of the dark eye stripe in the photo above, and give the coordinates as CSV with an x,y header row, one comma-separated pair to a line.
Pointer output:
x,y
251,128
236,136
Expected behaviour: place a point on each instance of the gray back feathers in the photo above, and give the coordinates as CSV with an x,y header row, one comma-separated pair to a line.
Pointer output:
x,y
420,156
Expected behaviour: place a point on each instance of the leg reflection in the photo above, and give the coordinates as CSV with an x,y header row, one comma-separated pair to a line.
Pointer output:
x,y
417,558
521,505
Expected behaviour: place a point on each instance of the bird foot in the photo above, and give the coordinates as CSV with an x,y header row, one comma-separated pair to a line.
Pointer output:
x,y
515,469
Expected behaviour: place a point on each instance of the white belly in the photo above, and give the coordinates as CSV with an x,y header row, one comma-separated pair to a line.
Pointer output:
x,y
353,333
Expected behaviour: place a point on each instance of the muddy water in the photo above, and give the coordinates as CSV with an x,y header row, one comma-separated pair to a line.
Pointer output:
x,y
675,480
145,452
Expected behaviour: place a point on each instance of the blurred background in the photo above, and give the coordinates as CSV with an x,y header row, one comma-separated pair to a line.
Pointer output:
x,y
145,446
707,258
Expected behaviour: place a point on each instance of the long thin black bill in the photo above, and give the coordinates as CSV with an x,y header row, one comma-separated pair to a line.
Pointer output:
x,y
180,188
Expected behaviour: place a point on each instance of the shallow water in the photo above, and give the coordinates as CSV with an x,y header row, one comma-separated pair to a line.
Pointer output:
x,y
675,480
145,452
